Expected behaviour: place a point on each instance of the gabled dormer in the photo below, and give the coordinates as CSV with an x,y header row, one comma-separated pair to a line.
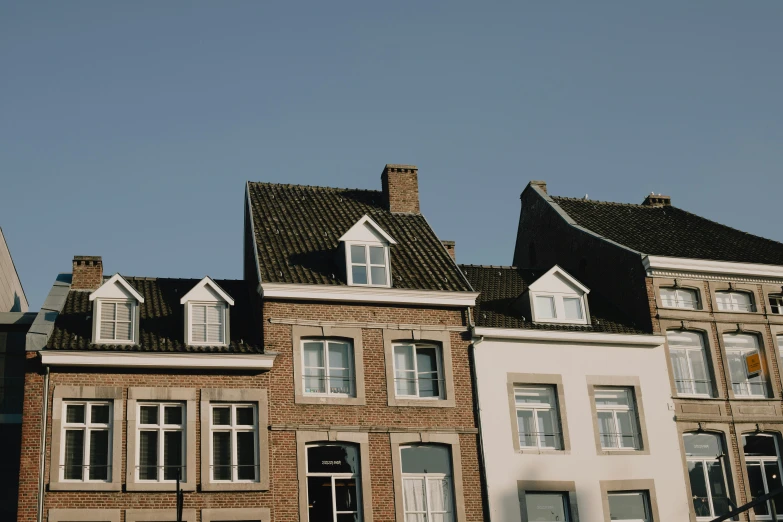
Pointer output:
x,y
365,251
557,297
207,317
116,312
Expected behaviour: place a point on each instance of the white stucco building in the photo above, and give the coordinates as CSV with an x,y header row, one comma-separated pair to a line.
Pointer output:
x,y
577,422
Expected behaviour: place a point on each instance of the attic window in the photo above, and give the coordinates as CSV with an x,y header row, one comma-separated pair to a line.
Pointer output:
x,y
207,323
115,320
369,265
556,297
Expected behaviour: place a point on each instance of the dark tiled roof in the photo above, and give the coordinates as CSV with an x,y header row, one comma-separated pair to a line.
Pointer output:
x,y
161,326
670,231
298,227
498,307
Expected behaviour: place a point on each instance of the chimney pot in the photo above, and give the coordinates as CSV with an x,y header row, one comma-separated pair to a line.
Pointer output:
x,y
657,200
450,248
401,188
540,184
87,273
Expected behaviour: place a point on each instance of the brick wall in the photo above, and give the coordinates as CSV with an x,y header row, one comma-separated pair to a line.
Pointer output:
x,y
401,188
87,273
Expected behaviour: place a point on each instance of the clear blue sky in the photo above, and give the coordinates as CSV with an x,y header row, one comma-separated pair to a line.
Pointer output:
x,y
128,130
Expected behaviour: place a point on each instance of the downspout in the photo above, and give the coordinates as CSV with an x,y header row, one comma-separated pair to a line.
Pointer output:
x,y
477,409
42,461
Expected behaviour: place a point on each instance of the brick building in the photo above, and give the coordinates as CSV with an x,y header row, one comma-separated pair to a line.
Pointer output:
x,y
715,293
331,383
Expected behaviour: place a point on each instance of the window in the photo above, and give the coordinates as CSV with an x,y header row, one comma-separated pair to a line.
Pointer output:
x,y
680,298
547,507
559,308
418,371
427,483
537,417
631,506
776,304
740,349
689,363
735,301
234,431
709,487
160,442
328,367
762,458
333,477
86,436
207,324
116,321
545,307
369,265
617,423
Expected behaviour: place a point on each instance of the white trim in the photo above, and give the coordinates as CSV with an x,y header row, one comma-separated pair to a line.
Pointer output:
x,y
575,337
97,322
207,281
367,294
368,265
565,274
225,361
711,267
117,278
368,220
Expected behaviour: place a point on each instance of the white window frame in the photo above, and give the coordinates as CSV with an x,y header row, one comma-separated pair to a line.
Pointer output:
x,y
161,428
223,319
645,498
325,342
87,427
540,437
367,264
687,350
233,429
745,386
426,477
99,320
734,306
776,301
704,461
333,476
560,313
441,375
680,301
761,461
614,410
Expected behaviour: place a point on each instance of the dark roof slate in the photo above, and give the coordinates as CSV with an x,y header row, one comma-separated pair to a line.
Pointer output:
x,y
497,306
161,326
670,231
297,229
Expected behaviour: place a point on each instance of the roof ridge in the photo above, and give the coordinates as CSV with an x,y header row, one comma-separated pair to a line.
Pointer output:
x,y
507,267
618,203
310,187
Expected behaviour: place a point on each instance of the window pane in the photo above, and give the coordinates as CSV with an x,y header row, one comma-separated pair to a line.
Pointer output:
x,y
701,378
358,254
607,430
359,274
245,416
404,370
221,416
611,397
626,429
548,431
99,455
172,415
221,456
440,495
772,474
340,381
123,331
683,379
759,446
426,458
148,415
215,333
668,297
124,311
627,506
319,499
172,454
376,256
107,311
148,455
531,395
545,507
313,354
427,362
403,357
414,498
246,455
74,454
378,274
717,480
339,355
74,413
199,333
702,445
99,414
701,502
746,342
199,314
527,428
756,484
315,381
573,308
545,307
345,494
332,458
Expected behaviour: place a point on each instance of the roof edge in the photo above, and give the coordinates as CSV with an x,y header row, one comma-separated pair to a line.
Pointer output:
x,y
645,340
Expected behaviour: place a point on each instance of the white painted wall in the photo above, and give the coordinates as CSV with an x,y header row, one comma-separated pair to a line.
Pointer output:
x,y
504,466
12,298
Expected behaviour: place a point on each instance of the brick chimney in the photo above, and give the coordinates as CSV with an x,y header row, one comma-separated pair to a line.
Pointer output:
x,y
87,273
401,188
657,200
540,184
450,248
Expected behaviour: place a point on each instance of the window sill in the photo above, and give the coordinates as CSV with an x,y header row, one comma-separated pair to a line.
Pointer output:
x,y
421,403
85,486
622,452
534,451
330,400
233,486
159,486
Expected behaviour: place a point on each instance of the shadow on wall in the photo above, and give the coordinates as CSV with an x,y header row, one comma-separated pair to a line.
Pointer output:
x,y
17,306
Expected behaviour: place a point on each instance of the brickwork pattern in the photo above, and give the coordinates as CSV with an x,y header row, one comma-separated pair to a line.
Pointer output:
x,y
401,188
87,273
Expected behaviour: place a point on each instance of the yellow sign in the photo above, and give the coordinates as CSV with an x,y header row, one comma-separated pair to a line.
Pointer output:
x,y
753,363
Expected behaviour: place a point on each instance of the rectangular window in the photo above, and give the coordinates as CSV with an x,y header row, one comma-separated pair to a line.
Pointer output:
x,y
632,506
686,298
573,308
87,436
776,304
538,421
333,483
368,265
207,324
547,507
234,430
545,307
161,443
689,363
617,423
328,367
709,484
116,323
741,350
418,371
735,301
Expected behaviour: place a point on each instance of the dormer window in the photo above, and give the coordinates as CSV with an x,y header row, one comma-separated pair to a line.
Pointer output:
x,y
115,313
556,297
207,314
367,254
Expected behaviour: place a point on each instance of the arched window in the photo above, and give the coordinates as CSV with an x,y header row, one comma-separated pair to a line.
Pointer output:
x,y
427,483
747,378
762,461
333,491
707,472
735,301
687,298
776,304
689,363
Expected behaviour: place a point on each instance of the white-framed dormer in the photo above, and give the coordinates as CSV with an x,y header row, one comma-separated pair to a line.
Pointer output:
x,y
207,317
365,251
557,297
116,312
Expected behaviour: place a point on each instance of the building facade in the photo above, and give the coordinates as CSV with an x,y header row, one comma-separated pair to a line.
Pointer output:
x,y
714,293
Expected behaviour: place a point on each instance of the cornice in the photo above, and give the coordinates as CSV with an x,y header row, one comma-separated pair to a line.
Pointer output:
x,y
223,361
366,295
